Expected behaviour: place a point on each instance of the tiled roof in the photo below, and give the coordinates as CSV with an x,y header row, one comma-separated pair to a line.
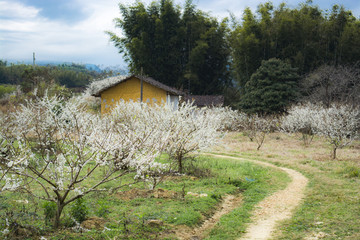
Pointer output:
x,y
96,88
206,100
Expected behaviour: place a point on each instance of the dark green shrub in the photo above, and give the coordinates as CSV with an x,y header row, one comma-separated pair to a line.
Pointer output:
x,y
79,210
49,211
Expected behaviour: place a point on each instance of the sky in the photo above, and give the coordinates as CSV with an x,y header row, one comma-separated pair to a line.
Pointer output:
x,y
73,30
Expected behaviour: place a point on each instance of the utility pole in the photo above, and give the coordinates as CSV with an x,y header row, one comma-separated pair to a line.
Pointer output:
x,y
141,85
34,60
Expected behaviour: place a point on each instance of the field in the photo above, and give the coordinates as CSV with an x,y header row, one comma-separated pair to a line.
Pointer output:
x,y
181,203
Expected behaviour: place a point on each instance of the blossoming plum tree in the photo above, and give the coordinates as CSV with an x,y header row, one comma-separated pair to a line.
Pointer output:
x,y
300,118
190,130
339,124
8,149
60,148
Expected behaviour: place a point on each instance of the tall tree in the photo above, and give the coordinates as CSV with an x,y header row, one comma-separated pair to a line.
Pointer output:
x,y
306,37
181,48
333,85
245,42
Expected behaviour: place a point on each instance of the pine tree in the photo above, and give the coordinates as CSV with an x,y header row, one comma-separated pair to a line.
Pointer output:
x,y
271,88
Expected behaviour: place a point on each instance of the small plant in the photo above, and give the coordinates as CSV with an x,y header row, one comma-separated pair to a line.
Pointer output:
x,y
79,210
216,196
49,211
183,193
352,172
125,221
102,209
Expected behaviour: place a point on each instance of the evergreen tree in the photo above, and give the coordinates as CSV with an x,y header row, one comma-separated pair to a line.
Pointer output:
x,y
271,88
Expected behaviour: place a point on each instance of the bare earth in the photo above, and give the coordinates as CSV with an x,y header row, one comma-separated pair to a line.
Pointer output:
x,y
276,207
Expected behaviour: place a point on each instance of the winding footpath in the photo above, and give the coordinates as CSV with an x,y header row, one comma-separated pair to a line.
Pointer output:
x,y
275,208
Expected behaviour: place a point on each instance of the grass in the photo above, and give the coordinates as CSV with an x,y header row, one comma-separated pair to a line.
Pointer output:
x,y
331,207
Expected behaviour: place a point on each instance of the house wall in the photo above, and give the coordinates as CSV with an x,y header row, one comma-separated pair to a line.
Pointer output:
x,y
130,90
174,101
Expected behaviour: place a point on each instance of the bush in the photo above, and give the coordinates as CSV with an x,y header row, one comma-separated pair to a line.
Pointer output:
x,y
6,89
49,211
79,211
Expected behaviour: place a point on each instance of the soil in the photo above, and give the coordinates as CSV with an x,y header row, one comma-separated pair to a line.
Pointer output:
x,y
144,193
94,223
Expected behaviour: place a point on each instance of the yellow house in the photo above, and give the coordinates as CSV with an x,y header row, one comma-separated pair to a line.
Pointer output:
x,y
133,88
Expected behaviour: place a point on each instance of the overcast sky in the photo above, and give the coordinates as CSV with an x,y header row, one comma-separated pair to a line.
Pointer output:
x,y
73,30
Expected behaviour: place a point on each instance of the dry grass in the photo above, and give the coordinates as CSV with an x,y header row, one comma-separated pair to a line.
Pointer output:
x,y
287,148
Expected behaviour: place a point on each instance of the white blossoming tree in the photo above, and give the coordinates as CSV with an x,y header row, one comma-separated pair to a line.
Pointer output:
x,y
340,124
8,180
145,132
60,149
300,118
257,127
190,130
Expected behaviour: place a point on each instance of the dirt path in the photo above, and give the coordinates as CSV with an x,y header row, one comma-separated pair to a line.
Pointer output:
x,y
230,202
276,207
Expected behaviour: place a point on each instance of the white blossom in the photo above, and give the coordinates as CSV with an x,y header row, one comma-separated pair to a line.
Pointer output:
x,y
339,124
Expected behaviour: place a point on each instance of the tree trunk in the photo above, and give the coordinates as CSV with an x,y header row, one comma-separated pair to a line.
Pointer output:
x,y
334,153
60,207
180,164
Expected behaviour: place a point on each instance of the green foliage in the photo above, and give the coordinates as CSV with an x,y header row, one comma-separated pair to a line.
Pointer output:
x,y
79,210
271,88
49,211
179,47
6,89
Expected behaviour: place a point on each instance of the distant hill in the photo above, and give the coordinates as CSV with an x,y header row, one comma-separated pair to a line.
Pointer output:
x,y
89,66
116,70
93,67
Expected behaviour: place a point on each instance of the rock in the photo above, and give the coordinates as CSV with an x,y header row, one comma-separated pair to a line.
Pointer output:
x,y
197,194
